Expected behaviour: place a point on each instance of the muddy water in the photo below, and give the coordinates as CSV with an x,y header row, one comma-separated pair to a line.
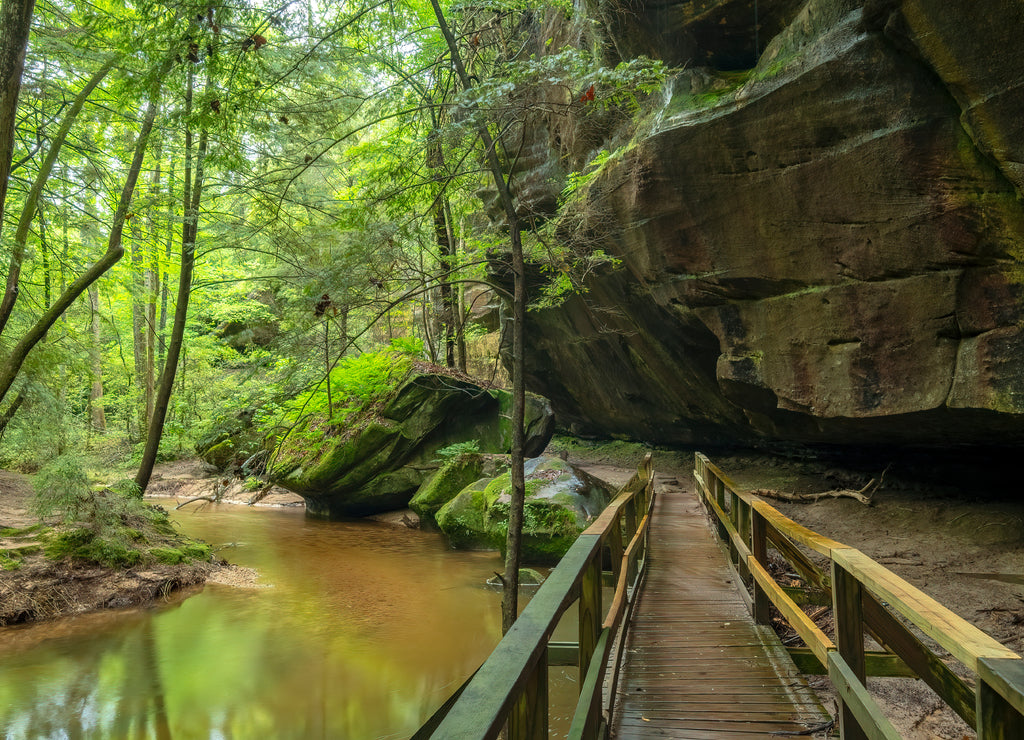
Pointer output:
x,y
363,629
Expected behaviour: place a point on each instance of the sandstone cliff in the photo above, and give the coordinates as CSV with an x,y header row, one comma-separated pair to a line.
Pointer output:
x,y
821,230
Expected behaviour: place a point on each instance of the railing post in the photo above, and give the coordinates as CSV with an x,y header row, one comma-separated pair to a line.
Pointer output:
x,y
631,517
1000,717
743,511
759,549
718,486
847,610
590,612
528,719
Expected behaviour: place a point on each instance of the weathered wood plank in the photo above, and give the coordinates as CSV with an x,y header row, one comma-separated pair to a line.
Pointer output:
x,y
958,636
928,666
798,532
696,664
815,639
871,723
488,698
1000,699
876,664
588,710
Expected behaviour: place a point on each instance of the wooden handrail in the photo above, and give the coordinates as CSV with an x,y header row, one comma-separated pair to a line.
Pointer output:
x,y
861,590
511,686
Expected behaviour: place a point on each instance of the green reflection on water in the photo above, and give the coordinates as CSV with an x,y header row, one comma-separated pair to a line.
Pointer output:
x,y
363,632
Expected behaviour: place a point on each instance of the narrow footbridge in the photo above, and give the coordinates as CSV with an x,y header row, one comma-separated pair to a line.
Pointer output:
x,y
684,648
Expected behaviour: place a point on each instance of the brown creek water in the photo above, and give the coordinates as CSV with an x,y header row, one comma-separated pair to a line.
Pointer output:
x,y
361,632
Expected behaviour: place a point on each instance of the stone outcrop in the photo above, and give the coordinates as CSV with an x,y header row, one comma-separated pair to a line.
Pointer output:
x,y
560,503
378,464
826,249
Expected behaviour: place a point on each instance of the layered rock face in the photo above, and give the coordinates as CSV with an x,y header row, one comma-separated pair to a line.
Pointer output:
x,y
829,252
378,464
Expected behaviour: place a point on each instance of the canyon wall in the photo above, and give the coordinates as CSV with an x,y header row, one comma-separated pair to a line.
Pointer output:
x,y
820,227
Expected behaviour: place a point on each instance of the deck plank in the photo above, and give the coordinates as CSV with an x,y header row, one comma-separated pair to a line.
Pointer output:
x,y
696,665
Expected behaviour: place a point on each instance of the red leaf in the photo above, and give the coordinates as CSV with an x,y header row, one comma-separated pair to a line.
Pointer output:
x,y
588,95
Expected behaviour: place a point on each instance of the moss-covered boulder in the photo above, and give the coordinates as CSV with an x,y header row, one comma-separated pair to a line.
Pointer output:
x,y
377,461
233,445
453,477
560,502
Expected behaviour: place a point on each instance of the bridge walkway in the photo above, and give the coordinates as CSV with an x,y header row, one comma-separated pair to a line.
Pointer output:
x,y
696,665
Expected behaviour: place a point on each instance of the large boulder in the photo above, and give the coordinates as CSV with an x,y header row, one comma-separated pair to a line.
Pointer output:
x,y
828,248
560,503
378,462
455,474
234,445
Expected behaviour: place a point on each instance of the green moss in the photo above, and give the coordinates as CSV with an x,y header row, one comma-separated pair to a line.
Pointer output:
x,y
446,484
187,553
22,532
82,544
9,563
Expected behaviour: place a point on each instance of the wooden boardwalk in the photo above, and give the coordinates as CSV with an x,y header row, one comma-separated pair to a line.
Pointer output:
x,y
696,665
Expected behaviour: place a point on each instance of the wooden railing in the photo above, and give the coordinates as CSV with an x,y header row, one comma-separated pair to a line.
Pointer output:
x,y
511,687
866,598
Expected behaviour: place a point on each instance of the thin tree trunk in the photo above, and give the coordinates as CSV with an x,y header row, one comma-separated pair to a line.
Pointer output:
x,y
96,412
15,24
164,282
447,254
193,193
151,286
510,598
138,288
16,404
12,365
44,255
28,211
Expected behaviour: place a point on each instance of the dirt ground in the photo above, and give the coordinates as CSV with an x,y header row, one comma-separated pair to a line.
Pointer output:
x,y
947,540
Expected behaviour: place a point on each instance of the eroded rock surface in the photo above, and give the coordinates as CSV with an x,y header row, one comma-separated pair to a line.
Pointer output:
x,y
378,465
828,252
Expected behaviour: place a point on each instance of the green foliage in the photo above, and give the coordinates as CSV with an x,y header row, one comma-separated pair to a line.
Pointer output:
x,y
113,527
457,449
408,346
357,383
62,489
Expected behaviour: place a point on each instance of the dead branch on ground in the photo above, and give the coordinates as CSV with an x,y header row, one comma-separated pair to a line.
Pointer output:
x,y
862,495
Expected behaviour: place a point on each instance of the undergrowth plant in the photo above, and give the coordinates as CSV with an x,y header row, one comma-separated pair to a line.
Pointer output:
x,y
112,526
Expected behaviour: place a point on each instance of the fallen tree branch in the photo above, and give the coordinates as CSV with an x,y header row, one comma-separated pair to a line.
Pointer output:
x,y
803,498
863,495
210,499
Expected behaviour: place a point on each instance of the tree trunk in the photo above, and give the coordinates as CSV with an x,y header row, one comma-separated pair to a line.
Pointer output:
x,y
15,23
151,281
96,412
16,404
447,255
28,211
164,282
189,230
44,256
12,364
138,289
510,597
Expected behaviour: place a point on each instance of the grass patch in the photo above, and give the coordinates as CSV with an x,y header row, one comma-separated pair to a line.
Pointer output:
x,y
32,529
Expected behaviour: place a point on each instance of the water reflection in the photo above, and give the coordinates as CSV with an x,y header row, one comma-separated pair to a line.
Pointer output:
x,y
363,632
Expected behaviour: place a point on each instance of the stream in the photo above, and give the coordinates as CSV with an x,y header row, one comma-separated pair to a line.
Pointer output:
x,y
360,632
